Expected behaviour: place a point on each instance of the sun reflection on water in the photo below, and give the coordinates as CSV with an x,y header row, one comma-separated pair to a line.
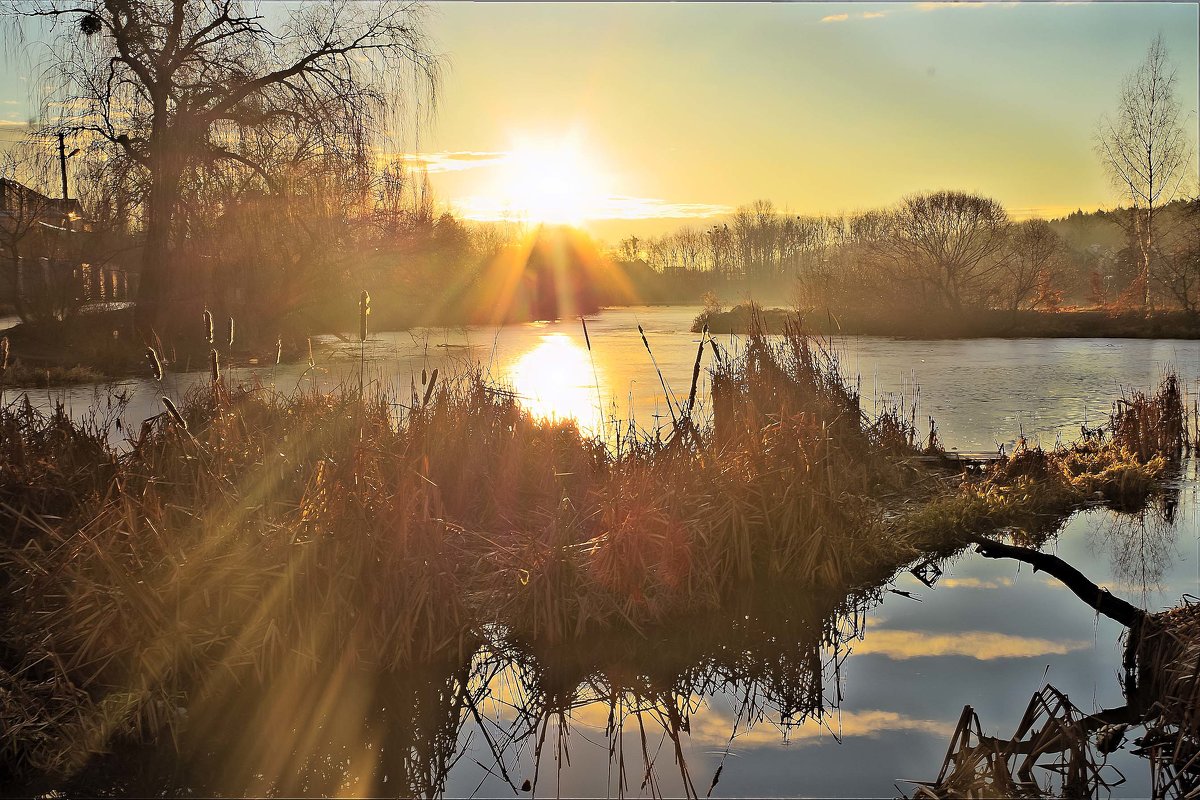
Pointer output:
x,y
556,380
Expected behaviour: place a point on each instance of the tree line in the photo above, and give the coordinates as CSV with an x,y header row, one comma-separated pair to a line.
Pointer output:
x,y
951,250
946,250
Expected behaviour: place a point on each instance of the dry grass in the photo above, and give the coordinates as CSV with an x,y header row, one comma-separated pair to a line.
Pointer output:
x,y
1049,755
1166,652
1032,491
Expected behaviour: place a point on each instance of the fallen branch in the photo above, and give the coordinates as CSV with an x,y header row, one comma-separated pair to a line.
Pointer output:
x,y
1098,598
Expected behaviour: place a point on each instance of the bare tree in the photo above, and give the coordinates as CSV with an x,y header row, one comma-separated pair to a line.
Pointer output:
x,y
177,84
1179,262
948,244
1145,150
1030,269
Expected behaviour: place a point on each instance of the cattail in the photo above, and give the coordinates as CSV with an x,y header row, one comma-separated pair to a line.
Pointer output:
x,y
311,363
231,331
156,368
424,376
587,339
174,412
3,355
364,311
214,364
429,389
208,326
278,350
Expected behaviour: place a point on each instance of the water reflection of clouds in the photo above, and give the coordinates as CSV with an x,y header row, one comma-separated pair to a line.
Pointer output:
x,y
901,645
713,729
976,583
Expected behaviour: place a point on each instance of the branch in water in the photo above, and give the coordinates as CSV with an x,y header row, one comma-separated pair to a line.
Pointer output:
x,y
1100,599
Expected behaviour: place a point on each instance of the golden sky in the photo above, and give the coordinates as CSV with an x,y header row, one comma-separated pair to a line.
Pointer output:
x,y
639,117
617,113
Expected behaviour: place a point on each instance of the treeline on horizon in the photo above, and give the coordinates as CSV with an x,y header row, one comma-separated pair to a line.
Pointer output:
x,y
943,251
293,259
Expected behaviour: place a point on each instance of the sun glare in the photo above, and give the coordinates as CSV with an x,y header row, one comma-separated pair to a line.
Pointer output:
x,y
548,182
555,381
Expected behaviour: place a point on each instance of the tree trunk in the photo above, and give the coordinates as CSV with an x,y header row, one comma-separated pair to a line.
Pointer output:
x,y
155,290
1142,231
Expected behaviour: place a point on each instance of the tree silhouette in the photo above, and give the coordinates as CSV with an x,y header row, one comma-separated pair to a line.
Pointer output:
x,y
177,84
948,243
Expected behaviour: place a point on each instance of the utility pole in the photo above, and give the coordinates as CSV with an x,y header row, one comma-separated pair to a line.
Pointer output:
x,y
62,161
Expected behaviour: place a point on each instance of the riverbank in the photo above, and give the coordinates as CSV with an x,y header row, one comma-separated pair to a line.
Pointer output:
x,y
104,345
251,536
973,324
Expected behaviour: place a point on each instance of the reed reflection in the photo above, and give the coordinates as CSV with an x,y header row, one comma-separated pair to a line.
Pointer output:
x,y
510,712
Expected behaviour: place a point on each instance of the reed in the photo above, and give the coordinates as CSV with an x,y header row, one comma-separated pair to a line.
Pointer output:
x,y
155,364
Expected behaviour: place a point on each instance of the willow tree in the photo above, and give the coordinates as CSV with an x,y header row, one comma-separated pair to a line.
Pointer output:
x,y
1145,150
179,84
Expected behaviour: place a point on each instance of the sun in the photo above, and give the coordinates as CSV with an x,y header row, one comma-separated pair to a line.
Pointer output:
x,y
546,181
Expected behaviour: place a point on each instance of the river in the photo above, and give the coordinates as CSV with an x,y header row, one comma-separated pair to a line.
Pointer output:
x,y
988,633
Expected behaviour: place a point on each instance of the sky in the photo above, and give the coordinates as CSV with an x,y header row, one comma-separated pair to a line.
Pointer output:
x,y
637,118
685,110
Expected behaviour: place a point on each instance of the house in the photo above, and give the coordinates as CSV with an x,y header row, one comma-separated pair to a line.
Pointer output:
x,y
49,257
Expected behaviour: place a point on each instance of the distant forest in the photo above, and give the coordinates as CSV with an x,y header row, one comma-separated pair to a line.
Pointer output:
x,y
942,251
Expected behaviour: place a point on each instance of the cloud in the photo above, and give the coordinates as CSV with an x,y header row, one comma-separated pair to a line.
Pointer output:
x,y
862,15
980,645
623,207
713,729
976,583
455,161
937,6
609,207
712,726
